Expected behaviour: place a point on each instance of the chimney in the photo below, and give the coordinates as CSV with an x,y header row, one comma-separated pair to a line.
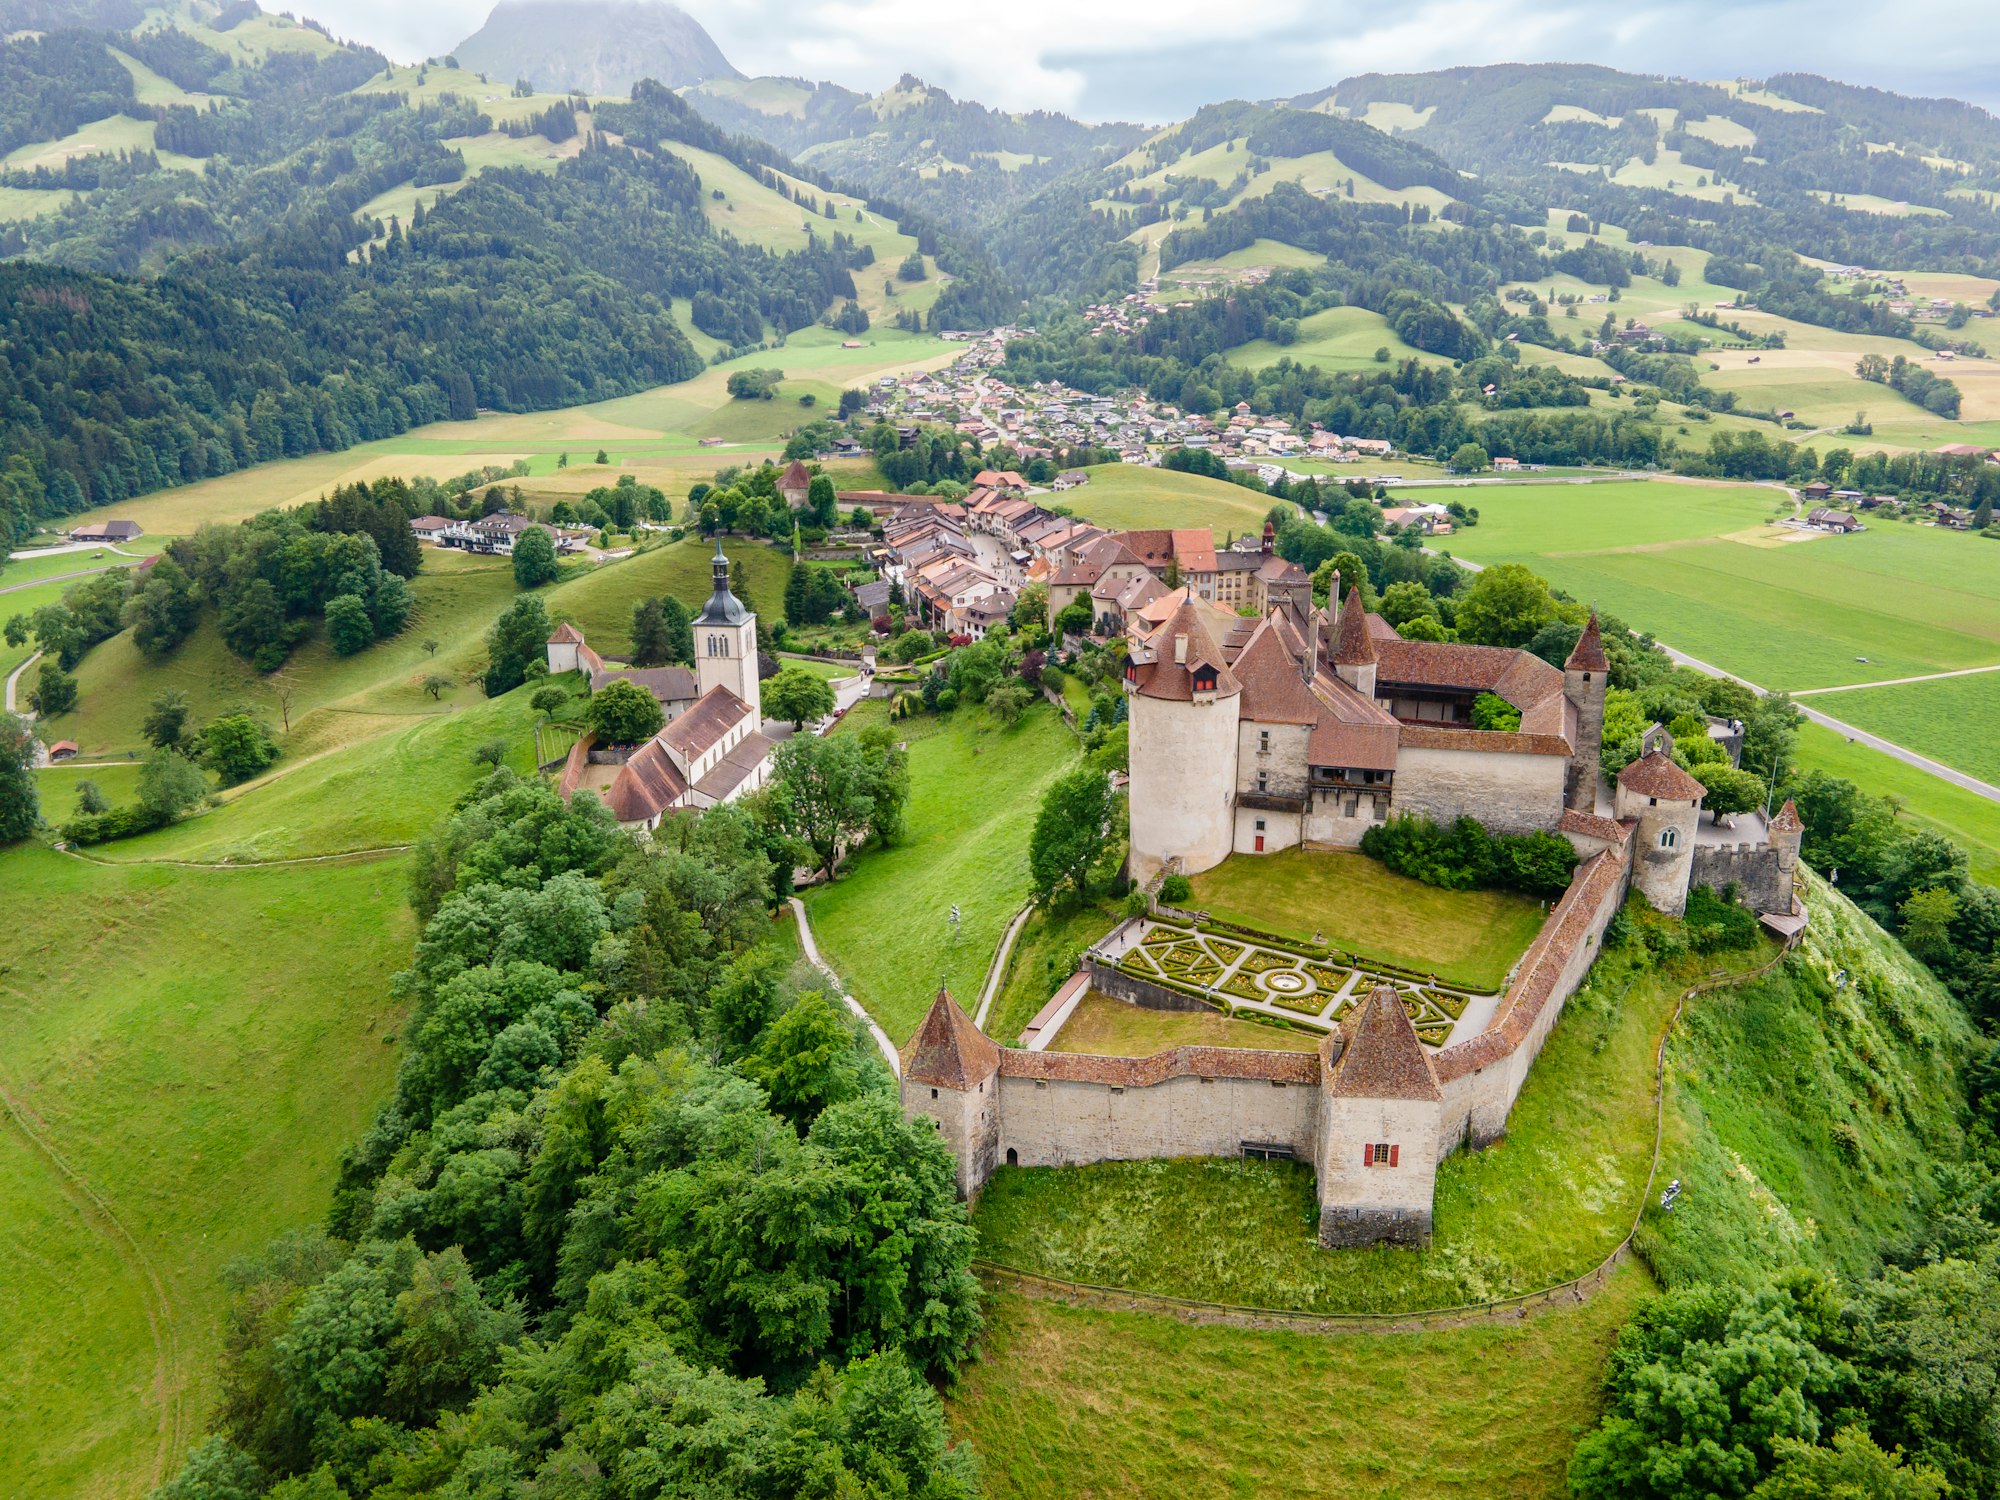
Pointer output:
x,y
1180,650
1309,658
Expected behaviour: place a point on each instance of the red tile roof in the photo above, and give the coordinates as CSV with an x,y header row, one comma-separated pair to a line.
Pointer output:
x,y
1164,677
1383,1058
1273,691
1591,826
1655,775
947,1050
566,634
1589,653
647,785
1353,645
1788,820
702,727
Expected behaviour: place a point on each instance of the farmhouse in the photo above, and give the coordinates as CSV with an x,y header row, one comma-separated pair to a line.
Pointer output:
x,y
712,751
107,531
1820,518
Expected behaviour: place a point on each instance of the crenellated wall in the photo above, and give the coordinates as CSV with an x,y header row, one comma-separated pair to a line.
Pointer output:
x,y
1759,868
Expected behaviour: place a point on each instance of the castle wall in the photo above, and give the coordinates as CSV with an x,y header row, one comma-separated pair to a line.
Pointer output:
x,y
1184,759
1109,979
1057,1122
1330,823
1363,1202
1483,1075
1510,792
1758,868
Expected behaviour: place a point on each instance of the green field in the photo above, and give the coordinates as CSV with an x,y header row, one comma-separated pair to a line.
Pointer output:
x,y
1970,819
974,791
185,1054
1340,338
1697,566
1103,1027
1547,1205
1952,719
1350,901
1130,497
1045,954
1067,1402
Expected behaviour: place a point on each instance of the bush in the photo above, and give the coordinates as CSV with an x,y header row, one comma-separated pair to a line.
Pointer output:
x,y
1465,857
236,747
119,823
1176,890
1716,923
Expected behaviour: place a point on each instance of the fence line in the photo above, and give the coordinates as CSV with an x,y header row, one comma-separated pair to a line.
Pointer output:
x,y
1576,1290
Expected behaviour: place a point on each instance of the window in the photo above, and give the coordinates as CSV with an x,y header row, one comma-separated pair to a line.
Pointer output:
x,y
934,1093
1380,1154
1263,742
1669,837
1263,781
1260,825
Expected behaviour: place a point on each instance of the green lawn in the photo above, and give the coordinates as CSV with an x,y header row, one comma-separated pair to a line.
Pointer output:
x,y
1547,1204
1067,1402
1464,937
1952,719
602,599
975,788
1104,1027
1521,522
197,1047
1970,819
1045,954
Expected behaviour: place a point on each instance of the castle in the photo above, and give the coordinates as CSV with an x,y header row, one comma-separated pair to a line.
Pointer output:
x,y
1306,728
712,748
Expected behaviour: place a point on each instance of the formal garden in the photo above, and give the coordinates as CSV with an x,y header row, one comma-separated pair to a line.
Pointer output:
x,y
1310,985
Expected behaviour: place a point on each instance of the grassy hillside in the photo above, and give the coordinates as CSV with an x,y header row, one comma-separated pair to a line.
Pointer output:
x,y
185,1054
1807,1112
1972,820
1130,497
1065,1402
974,790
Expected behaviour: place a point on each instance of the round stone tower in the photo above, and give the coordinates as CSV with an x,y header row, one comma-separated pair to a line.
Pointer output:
x,y
1666,803
1185,707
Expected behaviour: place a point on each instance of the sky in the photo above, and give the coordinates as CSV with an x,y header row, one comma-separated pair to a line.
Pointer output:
x,y
1159,60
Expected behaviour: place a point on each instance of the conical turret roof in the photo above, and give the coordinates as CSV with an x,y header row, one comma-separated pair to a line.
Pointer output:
x,y
948,1051
1383,1058
1589,653
1352,644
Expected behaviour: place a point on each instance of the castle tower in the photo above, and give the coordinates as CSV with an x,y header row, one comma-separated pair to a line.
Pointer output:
x,y
1666,803
1185,710
1586,675
951,1074
1785,834
725,643
1353,648
1381,1113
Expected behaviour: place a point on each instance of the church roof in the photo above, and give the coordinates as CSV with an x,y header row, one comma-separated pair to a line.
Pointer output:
x,y
646,785
1383,1058
1655,775
948,1051
1589,653
723,607
712,716
1353,645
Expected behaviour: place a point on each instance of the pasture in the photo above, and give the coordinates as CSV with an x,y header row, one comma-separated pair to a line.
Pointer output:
x,y
975,788
1071,1401
1952,719
1132,497
186,1053
1339,338
1969,819
1698,566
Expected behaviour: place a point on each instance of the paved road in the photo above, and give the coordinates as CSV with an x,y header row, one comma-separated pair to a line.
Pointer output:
x,y
1889,748
14,677
1907,756
31,552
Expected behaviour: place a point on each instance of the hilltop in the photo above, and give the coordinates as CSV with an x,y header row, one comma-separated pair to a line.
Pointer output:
x,y
593,46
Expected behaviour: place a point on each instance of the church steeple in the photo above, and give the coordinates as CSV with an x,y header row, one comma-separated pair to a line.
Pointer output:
x,y
723,607
725,642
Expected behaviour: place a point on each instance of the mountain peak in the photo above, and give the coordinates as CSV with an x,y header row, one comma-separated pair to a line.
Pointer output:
x,y
593,46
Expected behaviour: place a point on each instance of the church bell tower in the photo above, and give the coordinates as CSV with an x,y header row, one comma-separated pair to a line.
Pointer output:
x,y
725,642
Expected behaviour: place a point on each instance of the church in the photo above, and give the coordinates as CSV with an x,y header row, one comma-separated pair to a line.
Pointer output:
x,y
711,750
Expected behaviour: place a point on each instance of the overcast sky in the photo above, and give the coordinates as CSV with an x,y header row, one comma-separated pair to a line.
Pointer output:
x,y
1158,60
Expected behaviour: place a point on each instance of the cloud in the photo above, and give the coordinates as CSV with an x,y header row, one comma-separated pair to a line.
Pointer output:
x,y
1159,60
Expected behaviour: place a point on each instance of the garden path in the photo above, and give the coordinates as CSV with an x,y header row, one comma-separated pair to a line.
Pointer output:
x,y
812,957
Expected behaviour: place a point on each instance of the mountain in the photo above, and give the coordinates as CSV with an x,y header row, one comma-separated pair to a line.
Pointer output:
x,y
593,46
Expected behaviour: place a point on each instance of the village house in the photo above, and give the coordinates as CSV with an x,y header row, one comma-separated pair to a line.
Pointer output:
x,y
107,531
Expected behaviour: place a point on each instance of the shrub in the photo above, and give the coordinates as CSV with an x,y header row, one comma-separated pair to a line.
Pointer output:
x,y
236,747
1716,923
119,823
1175,890
1464,856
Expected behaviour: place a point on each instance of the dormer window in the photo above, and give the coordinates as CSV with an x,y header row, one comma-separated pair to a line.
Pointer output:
x,y
1204,677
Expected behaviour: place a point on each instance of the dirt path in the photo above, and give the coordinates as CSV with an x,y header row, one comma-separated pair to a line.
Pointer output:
x,y
882,1041
1856,687
15,588
170,1376
14,677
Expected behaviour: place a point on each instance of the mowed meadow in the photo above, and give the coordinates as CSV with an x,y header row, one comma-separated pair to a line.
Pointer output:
x,y
1704,569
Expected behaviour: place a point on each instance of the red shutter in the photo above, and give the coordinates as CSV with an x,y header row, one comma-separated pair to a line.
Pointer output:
x,y
1394,1152
1367,1156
